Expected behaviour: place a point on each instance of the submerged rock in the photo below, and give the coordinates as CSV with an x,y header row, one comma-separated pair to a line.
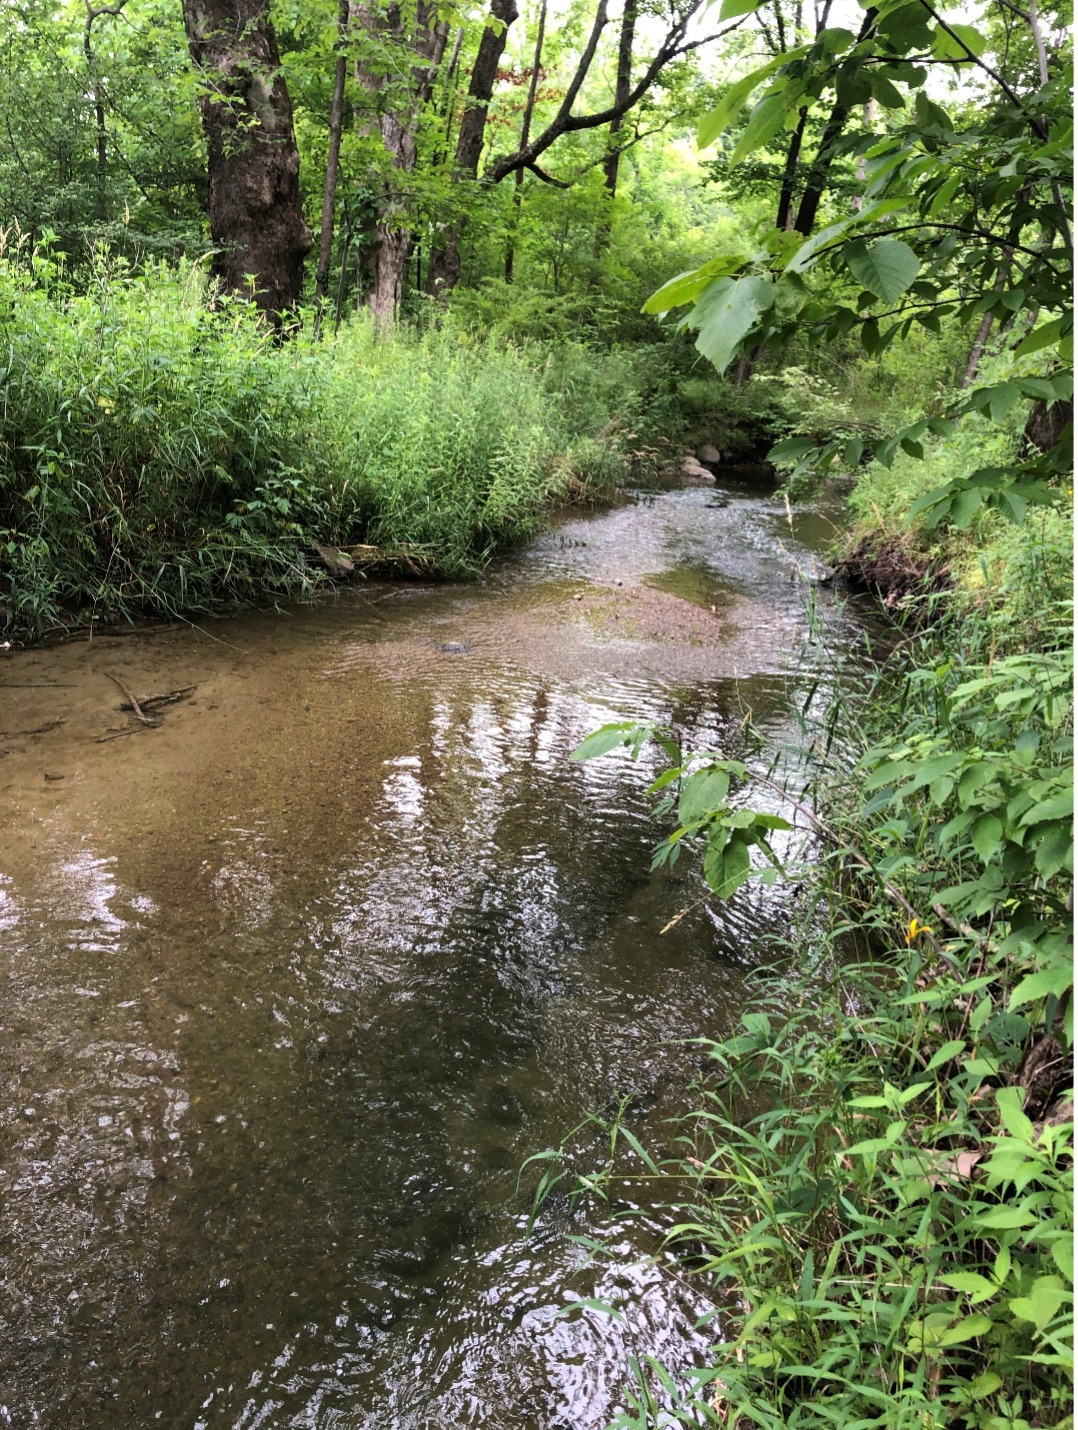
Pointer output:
x,y
692,471
454,647
814,572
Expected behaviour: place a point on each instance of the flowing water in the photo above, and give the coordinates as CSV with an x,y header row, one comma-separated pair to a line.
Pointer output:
x,y
293,983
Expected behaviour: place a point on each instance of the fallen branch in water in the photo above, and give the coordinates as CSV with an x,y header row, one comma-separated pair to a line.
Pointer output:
x,y
119,734
135,707
170,697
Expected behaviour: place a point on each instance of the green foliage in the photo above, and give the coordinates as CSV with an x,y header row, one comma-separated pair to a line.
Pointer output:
x,y
161,455
696,792
877,1182
963,217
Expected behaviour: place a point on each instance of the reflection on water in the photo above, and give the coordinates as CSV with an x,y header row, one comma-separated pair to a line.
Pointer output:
x,y
283,1017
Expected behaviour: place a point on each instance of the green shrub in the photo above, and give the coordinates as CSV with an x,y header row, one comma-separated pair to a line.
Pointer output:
x,y
162,454
877,1183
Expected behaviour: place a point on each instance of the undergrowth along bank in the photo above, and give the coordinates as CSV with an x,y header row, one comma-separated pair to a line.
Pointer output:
x,y
160,453
877,1182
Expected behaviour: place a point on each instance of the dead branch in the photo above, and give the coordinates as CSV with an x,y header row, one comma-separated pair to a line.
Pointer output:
x,y
135,707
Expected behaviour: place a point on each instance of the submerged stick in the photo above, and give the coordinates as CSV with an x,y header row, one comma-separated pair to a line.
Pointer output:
x,y
171,697
136,708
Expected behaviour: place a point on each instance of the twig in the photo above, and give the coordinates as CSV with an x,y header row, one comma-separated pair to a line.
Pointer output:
x,y
42,729
170,697
136,708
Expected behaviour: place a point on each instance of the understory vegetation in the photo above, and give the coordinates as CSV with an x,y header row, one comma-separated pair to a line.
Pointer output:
x,y
498,276
877,1181
159,455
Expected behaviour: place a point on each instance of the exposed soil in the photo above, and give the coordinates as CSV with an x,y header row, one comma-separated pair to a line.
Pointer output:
x,y
888,567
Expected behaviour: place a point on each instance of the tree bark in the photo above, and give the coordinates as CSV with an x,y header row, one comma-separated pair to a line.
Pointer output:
x,y
622,90
389,239
820,170
525,134
443,268
329,192
256,215
980,342
96,95
785,217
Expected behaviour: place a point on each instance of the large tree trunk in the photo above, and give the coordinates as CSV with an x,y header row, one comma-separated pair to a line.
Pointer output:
x,y
443,270
525,135
256,216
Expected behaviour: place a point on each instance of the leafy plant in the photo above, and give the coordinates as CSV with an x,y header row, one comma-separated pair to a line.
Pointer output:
x,y
877,1182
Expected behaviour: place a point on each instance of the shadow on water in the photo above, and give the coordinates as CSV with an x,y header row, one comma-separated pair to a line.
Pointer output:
x,y
294,984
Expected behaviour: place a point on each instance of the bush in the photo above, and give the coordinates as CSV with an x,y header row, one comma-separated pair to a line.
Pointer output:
x,y
160,454
878,1182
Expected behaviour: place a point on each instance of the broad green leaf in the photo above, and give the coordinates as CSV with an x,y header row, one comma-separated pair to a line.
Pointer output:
x,y
1054,852
726,312
950,1049
944,194
1063,1256
986,836
1045,1297
1060,806
603,740
727,868
984,1384
1042,337
733,101
884,91
1003,1218
702,794
972,1283
1009,1101
966,1330
791,449
1001,398
954,46
1051,982
886,269
765,121
731,9
687,287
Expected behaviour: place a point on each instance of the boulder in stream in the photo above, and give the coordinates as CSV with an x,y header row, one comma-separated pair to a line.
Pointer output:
x,y
692,471
709,454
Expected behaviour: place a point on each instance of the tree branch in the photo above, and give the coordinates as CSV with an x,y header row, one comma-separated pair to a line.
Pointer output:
x,y
674,45
1034,124
547,178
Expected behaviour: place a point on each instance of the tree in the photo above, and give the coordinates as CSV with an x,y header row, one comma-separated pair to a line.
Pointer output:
x,y
444,269
329,191
566,120
948,200
392,35
256,216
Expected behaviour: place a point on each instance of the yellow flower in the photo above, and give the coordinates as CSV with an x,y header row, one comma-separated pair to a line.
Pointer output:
x,y
916,929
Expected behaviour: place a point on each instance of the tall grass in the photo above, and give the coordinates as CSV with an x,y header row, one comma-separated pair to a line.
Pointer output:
x,y
159,453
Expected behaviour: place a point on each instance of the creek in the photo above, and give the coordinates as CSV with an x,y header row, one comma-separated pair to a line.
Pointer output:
x,y
293,983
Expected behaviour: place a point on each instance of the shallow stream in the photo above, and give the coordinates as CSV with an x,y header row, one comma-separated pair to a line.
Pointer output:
x,y
292,983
